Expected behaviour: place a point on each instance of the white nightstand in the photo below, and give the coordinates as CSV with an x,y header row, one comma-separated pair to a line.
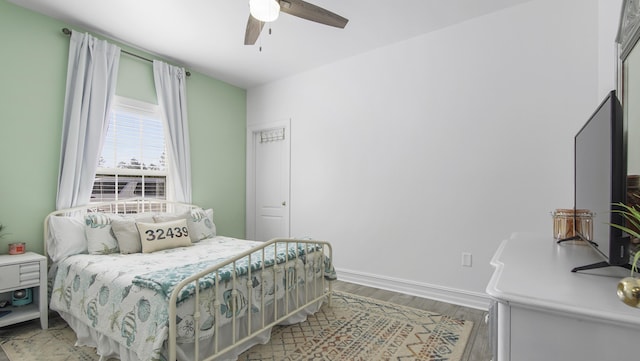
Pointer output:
x,y
24,271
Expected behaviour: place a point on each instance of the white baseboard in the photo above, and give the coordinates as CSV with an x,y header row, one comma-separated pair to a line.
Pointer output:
x,y
475,300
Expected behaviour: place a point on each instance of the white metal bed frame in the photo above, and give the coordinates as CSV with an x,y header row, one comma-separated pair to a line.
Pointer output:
x,y
139,205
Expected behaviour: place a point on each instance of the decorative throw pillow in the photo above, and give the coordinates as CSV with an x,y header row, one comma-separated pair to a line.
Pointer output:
x,y
209,213
200,225
165,235
127,235
100,239
66,237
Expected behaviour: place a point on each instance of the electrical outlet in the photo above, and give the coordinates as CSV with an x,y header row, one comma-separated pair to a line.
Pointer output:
x,y
466,259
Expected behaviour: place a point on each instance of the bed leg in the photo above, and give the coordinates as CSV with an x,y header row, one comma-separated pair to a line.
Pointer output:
x,y
330,292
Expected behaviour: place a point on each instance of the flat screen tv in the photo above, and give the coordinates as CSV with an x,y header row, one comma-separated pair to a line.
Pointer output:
x,y
600,182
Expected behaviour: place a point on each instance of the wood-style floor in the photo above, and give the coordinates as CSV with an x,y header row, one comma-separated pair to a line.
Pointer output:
x,y
478,348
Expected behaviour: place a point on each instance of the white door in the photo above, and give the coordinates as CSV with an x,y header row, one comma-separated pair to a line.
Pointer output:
x,y
268,172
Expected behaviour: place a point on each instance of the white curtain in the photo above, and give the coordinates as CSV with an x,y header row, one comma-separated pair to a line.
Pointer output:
x,y
172,98
91,82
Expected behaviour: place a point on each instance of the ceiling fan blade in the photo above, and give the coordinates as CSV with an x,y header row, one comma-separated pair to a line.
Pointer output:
x,y
305,10
254,27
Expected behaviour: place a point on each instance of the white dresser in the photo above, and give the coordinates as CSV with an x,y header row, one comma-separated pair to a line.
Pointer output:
x,y
546,312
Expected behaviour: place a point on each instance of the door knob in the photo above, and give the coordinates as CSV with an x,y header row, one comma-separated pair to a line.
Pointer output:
x,y
284,203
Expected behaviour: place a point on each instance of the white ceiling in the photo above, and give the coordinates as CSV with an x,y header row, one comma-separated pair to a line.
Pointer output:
x,y
208,35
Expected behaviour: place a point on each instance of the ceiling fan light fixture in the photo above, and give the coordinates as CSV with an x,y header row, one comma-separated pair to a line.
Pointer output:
x,y
264,10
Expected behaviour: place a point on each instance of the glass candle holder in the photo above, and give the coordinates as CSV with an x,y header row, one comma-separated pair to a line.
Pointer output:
x,y
567,223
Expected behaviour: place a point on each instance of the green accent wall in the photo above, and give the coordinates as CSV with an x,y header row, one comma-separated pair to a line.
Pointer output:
x,y
33,67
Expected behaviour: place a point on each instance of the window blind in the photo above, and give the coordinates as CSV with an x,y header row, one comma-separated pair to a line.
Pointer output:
x,y
133,160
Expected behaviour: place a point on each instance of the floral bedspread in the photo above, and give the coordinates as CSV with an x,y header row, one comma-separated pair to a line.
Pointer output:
x,y
125,296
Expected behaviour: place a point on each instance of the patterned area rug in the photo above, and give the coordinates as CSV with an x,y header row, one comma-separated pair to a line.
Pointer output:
x,y
28,342
360,328
355,328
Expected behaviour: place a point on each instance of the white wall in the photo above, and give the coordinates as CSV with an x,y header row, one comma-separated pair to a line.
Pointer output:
x,y
409,155
608,21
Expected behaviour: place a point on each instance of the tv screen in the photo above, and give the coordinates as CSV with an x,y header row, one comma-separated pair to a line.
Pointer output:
x,y
600,181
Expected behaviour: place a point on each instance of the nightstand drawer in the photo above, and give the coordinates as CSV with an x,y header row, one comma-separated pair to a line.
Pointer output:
x,y
19,275
29,277
9,276
29,274
30,268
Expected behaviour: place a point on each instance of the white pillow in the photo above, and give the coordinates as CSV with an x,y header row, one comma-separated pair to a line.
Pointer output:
x,y
166,217
67,237
165,235
100,239
209,213
200,225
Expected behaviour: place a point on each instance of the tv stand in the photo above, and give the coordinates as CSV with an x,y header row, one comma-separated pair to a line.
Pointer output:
x,y
600,265
544,312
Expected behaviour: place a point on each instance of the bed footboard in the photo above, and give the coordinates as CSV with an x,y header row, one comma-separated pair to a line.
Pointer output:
x,y
300,292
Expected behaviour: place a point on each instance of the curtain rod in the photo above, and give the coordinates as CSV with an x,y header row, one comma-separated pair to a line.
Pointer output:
x,y
67,32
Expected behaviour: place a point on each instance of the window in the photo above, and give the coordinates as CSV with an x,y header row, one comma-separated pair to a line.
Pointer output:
x,y
133,160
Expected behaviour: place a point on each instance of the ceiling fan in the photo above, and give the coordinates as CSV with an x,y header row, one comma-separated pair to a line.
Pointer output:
x,y
263,11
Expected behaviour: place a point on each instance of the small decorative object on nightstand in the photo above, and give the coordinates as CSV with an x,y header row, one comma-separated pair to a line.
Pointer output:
x,y
23,281
17,248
